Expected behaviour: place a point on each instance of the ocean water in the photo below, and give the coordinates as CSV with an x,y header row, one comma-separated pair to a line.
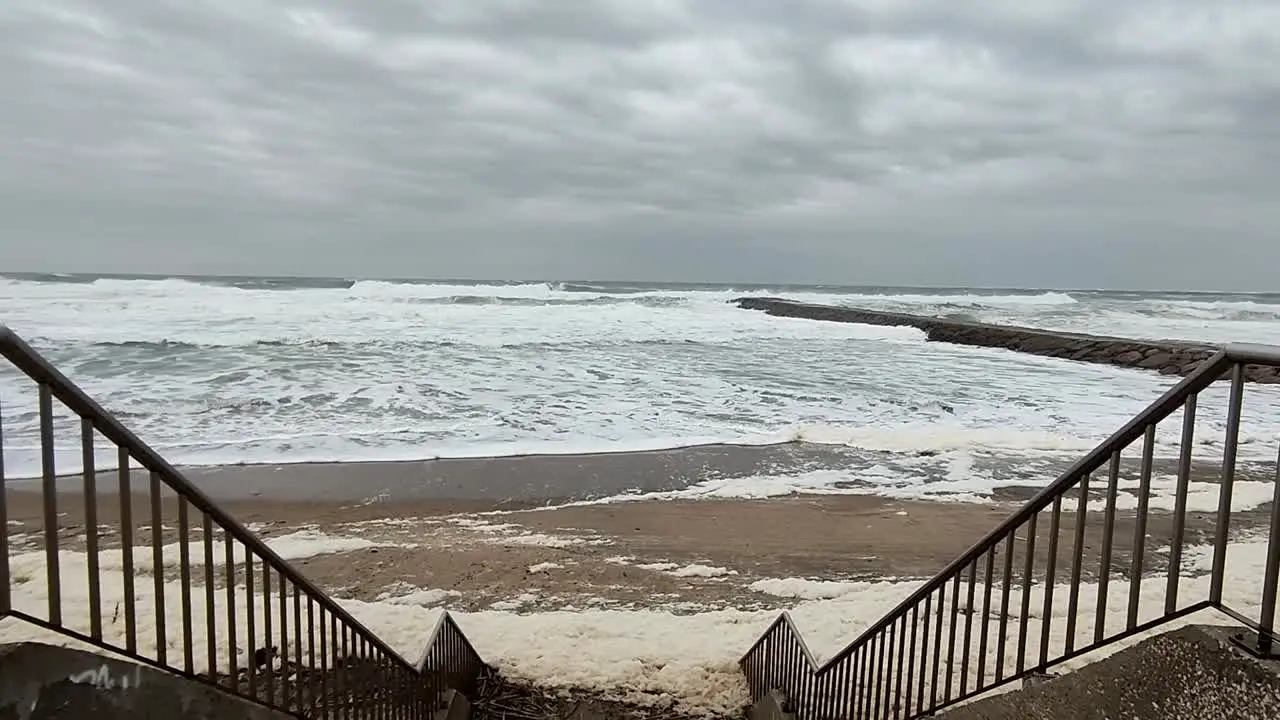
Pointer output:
x,y
277,370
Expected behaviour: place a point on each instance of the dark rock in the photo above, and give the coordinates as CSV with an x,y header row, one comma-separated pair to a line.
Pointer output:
x,y
1157,359
1167,357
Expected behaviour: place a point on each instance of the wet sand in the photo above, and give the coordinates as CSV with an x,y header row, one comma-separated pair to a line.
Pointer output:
x,y
500,482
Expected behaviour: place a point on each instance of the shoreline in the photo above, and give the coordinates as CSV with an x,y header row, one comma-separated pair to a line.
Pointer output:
x,y
509,482
1167,357
708,472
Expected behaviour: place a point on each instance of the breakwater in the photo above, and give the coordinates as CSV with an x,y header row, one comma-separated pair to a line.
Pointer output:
x,y
1167,357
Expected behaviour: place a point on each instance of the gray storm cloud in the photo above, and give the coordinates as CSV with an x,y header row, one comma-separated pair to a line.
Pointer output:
x,y
1008,142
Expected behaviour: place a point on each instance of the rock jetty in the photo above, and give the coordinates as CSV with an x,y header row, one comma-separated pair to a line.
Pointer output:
x,y
1167,357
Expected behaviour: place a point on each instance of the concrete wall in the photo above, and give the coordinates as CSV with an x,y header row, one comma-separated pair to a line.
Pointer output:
x,y
43,682
1193,673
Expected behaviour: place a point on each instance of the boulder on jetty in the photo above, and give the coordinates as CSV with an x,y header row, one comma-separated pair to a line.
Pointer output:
x,y
1168,357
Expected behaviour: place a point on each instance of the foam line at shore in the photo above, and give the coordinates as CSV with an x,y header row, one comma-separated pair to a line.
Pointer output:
x,y
1166,357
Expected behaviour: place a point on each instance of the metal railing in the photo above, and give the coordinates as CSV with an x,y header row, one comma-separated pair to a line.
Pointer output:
x,y
219,605
995,614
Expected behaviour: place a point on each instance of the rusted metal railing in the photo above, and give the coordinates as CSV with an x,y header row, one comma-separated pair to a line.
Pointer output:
x,y
1055,581
219,605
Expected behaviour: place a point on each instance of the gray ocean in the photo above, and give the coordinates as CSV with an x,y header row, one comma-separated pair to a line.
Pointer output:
x,y
216,371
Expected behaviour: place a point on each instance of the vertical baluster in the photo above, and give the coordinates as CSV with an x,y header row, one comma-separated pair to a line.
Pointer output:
x,y
268,670
1077,562
874,694
250,617
866,681
1108,533
1230,445
967,646
911,660
348,683
897,669
359,686
6,601
210,599
1005,592
838,689
125,494
1140,527
311,654
987,578
1180,504
91,528
1050,571
853,690
373,689
285,698
1271,575
872,681
924,652
339,666
859,677
232,631
299,687
826,691
184,570
788,666
937,646
1028,571
951,636
887,668
157,569
324,664
49,488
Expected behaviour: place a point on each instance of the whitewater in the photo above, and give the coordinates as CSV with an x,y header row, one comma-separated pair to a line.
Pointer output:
x,y
215,371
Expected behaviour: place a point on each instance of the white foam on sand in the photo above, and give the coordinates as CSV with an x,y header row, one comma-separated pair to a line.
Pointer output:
x,y
702,571
961,483
1201,496
512,535
695,570
640,654
293,546
417,596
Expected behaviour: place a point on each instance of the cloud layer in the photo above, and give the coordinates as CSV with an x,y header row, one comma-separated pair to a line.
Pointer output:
x,y
1006,142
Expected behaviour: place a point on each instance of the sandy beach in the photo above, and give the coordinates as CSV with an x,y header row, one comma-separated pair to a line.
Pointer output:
x,y
485,531
650,598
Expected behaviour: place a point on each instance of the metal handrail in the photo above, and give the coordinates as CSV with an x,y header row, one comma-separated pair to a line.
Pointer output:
x,y
838,687
1253,353
458,663
1091,462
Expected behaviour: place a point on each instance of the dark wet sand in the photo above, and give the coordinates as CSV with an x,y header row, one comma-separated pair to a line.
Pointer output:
x,y
540,480
524,481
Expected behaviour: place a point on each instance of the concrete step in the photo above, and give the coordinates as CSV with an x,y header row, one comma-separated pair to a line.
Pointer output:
x,y
456,707
46,682
1191,673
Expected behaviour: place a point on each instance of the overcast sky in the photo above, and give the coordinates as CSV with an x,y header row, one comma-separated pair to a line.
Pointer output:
x,y
1066,143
